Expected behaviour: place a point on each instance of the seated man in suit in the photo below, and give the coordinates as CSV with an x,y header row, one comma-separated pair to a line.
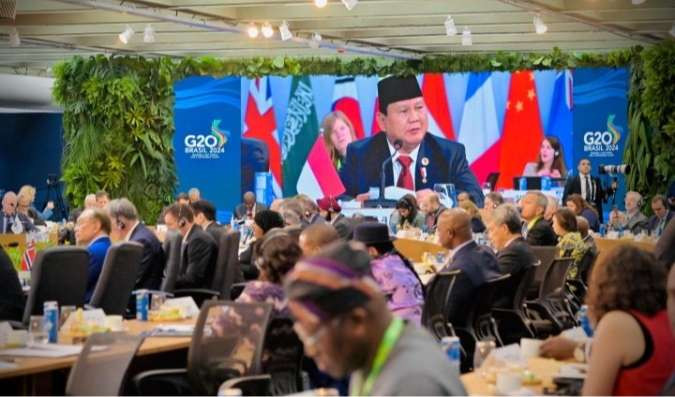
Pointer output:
x,y
514,255
432,208
539,230
12,221
199,251
93,230
422,160
128,227
662,215
205,216
477,263
633,220
247,210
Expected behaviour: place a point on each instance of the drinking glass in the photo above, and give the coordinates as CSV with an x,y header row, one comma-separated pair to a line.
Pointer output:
x,y
37,333
65,313
483,350
157,301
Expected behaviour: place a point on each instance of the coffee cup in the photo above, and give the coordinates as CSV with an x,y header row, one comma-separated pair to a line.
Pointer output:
x,y
529,348
508,382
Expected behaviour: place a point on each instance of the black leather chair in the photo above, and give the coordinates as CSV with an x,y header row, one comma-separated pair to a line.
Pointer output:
x,y
512,321
545,255
118,277
283,353
255,385
59,274
172,250
551,304
227,343
436,301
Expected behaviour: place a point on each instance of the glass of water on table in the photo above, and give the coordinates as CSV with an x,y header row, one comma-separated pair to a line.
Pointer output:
x,y
37,333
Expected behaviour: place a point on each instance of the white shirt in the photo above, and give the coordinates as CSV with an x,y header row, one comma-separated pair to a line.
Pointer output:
x,y
397,167
587,196
131,231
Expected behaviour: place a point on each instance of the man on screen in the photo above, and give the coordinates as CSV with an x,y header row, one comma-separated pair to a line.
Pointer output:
x,y
423,159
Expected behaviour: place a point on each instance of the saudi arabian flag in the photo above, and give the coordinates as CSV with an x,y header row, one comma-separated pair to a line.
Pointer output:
x,y
300,132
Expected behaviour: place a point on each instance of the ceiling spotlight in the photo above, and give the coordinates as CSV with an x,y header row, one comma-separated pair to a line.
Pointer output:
x,y
350,4
267,30
320,3
149,34
450,28
126,35
252,31
466,36
315,41
672,30
539,25
14,39
284,32
637,2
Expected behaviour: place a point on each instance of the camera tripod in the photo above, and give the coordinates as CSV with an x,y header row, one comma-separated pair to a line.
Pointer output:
x,y
54,190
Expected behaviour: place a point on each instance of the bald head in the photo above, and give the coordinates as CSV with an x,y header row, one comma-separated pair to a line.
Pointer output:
x,y
317,236
454,227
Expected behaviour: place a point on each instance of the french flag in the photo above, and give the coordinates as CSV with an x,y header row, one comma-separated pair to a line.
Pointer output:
x,y
345,99
440,121
319,177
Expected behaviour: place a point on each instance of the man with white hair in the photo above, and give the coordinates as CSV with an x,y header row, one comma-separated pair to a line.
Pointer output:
x,y
12,221
633,219
127,226
539,230
194,194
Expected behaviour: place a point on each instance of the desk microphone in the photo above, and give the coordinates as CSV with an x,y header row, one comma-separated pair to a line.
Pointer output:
x,y
397,146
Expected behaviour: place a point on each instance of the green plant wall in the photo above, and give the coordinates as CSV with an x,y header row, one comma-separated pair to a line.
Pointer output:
x,y
118,111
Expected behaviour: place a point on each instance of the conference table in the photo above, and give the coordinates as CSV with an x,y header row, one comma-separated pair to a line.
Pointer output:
x,y
43,376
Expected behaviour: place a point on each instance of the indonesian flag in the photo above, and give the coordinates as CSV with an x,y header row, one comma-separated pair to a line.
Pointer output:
x,y
440,121
345,99
522,132
261,124
28,256
319,177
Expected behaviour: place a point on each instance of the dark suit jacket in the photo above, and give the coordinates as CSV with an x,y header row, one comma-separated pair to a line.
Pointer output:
x,y
6,226
152,262
654,221
198,260
11,295
573,185
447,164
97,252
478,265
514,259
215,230
665,246
542,234
240,211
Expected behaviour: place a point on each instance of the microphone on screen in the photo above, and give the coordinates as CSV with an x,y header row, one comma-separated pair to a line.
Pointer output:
x,y
398,143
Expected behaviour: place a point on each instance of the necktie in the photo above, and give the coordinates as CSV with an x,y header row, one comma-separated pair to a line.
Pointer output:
x,y
405,179
588,189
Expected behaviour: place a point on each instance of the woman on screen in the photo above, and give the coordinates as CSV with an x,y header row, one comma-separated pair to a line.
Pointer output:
x,y
338,132
550,161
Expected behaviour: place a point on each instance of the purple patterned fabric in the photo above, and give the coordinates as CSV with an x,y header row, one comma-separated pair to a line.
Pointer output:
x,y
266,292
403,290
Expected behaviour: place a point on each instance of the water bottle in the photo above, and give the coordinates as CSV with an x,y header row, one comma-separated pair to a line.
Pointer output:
x,y
545,183
452,348
142,303
522,183
51,320
584,322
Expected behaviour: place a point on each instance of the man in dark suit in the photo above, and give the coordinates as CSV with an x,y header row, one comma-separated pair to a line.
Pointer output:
x,y
9,216
589,187
127,227
93,230
514,255
423,159
477,263
539,230
199,251
662,215
248,209
665,246
11,295
205,216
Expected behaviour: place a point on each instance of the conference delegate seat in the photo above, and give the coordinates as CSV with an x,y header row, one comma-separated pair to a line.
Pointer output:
x,y
172,251
436,304
578,287
545,255
59,274
102,365
227,342
283,353
512,321
254,385
551,301
118,277
226,272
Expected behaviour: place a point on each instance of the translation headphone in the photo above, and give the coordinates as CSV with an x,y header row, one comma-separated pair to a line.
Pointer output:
x,y
181,221
557,153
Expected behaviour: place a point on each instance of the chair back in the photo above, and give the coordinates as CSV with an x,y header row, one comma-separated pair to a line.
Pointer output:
x,y
59,274
525,282
227,270
102,365
554,280
585,265
545,254
485,296
282,357
172,250
227,342
255,385
118,277
436,300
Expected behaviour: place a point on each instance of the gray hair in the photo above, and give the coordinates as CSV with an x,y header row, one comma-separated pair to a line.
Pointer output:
x,y
122,208
542,201
507,214
194,191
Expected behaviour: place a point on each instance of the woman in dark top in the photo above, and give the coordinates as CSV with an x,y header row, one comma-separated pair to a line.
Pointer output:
x,y
580,207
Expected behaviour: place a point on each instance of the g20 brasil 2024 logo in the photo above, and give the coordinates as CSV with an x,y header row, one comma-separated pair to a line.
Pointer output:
x,y
603,143
207,146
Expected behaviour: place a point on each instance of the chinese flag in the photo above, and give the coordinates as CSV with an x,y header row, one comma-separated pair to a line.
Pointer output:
x,y
522,131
